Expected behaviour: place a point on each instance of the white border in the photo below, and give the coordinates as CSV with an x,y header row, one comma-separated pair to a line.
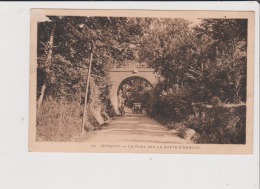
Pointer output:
x,y
20,169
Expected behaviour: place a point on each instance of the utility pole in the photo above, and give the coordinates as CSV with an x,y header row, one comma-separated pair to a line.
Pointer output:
x,y
86,94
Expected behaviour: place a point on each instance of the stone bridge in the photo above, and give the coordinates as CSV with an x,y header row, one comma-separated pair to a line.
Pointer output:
x,y
119,75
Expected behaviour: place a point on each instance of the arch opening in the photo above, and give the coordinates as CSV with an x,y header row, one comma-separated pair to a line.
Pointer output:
x,y
131,90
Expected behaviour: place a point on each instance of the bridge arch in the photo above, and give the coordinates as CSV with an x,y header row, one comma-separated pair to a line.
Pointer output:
x,y
131,78
119,75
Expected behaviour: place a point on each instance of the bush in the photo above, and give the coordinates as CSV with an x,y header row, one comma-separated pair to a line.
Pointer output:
x,y
175,108
62,121
172,106
58,121
179,127
219,125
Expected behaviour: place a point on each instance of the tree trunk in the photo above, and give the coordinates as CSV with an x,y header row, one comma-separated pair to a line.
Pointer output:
x,y
39,103
47,63
86,96
49,55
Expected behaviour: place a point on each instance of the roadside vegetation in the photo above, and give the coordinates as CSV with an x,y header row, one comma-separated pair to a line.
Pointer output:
x,y
201,74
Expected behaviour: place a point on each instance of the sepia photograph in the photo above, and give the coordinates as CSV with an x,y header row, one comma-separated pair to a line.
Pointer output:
x,y
125,95
141,81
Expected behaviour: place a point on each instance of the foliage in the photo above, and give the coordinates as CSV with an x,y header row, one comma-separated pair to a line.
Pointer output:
x,y
61,120
179,128
58,121
132,90
225,58
168,105
210,58
64,73
203,64
219,125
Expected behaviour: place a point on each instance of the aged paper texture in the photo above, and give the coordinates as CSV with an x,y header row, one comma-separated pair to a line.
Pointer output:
x,y
134,81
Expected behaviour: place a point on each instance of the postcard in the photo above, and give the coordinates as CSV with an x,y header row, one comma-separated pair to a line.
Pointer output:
x,y
142,81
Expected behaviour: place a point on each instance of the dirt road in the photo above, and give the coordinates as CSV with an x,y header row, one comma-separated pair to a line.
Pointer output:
x,y
134,128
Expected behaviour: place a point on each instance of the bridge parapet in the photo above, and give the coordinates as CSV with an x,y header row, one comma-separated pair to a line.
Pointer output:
x,y
132,70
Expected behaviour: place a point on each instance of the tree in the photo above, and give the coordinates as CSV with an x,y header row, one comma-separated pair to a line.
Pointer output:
x,y
230,43
65,77
168,48
47,64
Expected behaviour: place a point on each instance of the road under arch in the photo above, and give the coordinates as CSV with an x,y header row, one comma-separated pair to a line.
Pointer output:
x,y
120,75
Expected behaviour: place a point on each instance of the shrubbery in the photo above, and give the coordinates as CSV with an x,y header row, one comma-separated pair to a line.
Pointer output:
x,y
169,106
62,120
58,121
213,123
202,64
218,124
